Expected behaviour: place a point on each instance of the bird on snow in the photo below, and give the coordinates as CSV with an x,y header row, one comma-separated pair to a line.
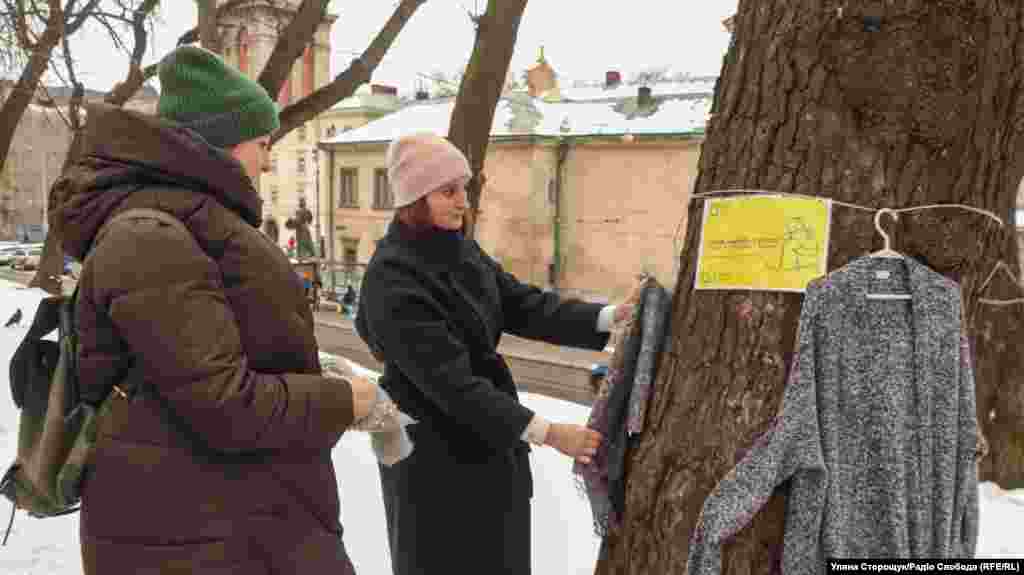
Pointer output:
x,y
15,319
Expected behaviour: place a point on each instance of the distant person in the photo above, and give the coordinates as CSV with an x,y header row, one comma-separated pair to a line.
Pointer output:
x,y
221,463
432,308
349,299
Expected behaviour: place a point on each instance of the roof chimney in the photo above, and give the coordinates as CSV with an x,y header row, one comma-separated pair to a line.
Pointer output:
x,y
643,96
382,89
612,78
422,95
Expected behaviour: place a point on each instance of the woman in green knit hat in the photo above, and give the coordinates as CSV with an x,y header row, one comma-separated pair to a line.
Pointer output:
x,y
220,461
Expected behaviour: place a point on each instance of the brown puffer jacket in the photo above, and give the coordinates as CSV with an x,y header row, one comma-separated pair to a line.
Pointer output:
x,y
218,324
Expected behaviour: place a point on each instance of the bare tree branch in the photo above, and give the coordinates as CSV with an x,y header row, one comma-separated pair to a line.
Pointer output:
x,y
115,36
357,74
291,43
25,88
21,27
78,90
481,87
136,77
16,104
75,23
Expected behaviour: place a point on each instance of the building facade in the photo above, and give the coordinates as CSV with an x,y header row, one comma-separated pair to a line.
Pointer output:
x,y
37,154
249,34
585,188
369,103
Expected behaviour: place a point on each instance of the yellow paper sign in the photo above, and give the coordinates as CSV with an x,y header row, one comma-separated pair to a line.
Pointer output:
x,y
773,243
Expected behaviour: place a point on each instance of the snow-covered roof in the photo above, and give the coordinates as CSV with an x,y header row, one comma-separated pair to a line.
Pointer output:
x,y
364,98
519,115
695,87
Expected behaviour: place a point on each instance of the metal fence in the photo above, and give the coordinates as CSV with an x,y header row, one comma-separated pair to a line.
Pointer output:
x,y
337,278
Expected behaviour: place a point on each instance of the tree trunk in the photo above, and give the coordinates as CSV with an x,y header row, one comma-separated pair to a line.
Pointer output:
x,y
291,42
480,89
24,90
878,104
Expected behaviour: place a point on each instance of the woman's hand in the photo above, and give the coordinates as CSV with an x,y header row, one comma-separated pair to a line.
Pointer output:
x,y
364,396
576,441
625,309
364,390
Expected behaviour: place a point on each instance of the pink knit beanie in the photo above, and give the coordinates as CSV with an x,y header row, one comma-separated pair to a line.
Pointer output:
x,y
421,163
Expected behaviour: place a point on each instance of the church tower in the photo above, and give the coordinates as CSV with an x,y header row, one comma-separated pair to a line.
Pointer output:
x,y
249,33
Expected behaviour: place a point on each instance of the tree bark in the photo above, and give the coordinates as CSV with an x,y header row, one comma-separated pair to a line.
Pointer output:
x,y
480,89
878,104
293,40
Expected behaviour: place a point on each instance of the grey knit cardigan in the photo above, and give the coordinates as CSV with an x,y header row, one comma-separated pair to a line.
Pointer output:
x,y
877,433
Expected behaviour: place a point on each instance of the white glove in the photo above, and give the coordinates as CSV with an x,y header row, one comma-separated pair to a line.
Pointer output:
x,y
385,423
387,426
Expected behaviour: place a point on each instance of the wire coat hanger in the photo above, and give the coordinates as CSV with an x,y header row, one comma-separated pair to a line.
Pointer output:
x,y
886,252
1009,273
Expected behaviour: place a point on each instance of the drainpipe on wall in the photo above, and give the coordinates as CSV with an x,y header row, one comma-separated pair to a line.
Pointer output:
x,y
562,152
330,218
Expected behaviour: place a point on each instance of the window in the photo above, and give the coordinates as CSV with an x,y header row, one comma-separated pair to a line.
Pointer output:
x,y
275,191
348,195
302,133
382,199
300,192
300,164
309,69
552,192
331,131
273,163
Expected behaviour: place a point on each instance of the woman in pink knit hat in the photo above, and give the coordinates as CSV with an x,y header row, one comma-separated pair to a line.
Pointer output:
x,y
432,308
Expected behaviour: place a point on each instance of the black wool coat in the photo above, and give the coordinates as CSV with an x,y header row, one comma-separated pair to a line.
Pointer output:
x,y
433,309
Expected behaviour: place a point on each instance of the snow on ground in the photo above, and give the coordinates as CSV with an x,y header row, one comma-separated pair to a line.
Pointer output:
x,y
563,543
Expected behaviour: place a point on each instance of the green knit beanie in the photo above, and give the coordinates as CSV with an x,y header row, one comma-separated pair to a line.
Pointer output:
x,y
199,91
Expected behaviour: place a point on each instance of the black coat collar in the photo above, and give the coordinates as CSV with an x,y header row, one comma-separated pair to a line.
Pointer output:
x,y
449,255
440,249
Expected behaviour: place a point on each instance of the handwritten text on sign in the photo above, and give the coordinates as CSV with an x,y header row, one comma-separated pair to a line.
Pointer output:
x,y
775,243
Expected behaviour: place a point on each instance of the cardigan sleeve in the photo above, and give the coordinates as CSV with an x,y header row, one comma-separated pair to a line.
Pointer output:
x,y
790,449
532,313
968,452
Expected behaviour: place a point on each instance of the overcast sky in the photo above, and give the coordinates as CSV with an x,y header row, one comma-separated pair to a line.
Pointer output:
x,y
581,38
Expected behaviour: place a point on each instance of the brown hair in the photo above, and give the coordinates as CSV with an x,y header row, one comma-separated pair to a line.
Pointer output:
x,y
416,216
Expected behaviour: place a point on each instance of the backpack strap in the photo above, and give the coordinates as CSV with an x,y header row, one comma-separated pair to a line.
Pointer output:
x,y
124,389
